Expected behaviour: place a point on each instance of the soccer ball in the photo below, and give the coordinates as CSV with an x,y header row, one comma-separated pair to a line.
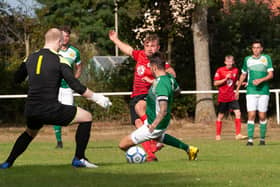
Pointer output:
x,y
136,155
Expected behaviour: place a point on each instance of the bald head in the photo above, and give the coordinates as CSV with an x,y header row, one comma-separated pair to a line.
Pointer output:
x,y
53,39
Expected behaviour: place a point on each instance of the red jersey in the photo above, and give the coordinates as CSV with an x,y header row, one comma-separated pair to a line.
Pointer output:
x,y
142,69
226,90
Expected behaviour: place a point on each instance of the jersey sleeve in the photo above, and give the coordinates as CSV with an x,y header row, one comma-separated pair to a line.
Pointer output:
x,y
269,63
167,65
175,85
245,67
135,54
21,73
162,91
78,57
217,75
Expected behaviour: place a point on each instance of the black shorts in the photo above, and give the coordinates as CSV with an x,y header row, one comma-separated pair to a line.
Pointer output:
x,y
132,103
61,117
227,106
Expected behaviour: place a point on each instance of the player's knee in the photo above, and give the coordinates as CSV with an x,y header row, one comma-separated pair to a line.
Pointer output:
x,y
138,123
32,133
140,107
88,116
237,113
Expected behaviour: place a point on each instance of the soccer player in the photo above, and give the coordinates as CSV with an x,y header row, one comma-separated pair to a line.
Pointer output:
x,y
45,69
159,101
65,95
225,79
143,79
258,70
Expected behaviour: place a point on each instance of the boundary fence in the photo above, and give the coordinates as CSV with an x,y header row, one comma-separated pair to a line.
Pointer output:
x,y
275,91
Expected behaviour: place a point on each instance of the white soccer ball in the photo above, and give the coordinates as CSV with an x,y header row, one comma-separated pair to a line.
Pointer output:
x,y
136,155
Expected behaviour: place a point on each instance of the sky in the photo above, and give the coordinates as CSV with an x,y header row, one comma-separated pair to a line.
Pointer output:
x,y
30,4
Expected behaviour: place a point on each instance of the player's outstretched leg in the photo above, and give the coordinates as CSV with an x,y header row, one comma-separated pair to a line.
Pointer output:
x,y
19,147
57,130
156,146
172,141
82,138
147,146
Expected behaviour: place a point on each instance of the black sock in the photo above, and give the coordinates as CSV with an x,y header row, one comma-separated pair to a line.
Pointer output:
x,y
82,138
19,147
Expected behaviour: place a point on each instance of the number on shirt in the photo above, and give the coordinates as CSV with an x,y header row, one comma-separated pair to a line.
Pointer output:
x,y
39,64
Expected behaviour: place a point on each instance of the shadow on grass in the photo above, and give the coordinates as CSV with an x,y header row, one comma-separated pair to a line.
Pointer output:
x,y
67,176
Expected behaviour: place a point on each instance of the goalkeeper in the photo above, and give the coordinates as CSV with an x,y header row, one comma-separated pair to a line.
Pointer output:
x,y
45,69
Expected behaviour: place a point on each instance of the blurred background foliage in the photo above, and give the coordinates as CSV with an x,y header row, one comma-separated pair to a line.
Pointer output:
x,y
90,20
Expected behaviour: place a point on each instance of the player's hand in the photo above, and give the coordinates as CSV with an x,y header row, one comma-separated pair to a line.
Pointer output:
x,y
147,79
237,95
256,82
151,128
101,100
228,76
113,35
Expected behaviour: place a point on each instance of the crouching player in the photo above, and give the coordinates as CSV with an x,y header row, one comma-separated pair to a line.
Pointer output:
x,y
159,101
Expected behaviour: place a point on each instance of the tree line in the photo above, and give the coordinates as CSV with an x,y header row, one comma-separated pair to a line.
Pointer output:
x,y
225,33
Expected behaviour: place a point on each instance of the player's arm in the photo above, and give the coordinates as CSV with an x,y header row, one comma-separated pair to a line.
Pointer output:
x,y
239,83
161,114
78,65
78,70
21,73
221,81
125,48
268,77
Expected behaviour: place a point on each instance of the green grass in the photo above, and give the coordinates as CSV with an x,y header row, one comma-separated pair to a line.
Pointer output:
x,y
224,163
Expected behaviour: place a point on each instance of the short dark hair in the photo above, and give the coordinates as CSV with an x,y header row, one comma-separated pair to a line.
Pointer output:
x,y
158,59
151,37
65,28
257,41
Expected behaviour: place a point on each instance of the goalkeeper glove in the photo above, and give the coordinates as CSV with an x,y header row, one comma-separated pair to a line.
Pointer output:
x,y
101,100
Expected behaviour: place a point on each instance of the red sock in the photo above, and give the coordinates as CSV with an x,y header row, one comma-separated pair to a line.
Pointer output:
x,y
147,147
237,126
153,145
218,128
143,118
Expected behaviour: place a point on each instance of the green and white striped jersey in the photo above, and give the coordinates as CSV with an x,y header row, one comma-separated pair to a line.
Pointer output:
x,y
72,55
257,68
163,88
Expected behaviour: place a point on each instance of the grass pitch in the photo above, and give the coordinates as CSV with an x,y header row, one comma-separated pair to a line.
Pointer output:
x,y
223,163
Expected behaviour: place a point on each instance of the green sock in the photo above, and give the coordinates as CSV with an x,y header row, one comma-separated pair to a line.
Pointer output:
x,y
170,140
57,130
250,129
263,129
